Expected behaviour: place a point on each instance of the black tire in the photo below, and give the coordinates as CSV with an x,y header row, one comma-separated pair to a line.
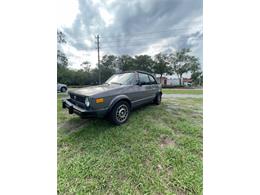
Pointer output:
x,y
120,113
63,89
158,99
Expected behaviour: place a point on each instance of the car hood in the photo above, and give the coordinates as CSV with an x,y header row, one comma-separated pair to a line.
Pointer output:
x,y
93,90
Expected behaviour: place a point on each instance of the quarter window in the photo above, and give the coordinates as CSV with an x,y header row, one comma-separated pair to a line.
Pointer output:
x,y
152,80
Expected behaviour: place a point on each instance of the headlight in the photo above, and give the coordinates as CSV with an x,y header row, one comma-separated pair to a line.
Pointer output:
x,y
87,102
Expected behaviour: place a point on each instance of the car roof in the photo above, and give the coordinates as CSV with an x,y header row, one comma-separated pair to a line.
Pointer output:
x,y
139,71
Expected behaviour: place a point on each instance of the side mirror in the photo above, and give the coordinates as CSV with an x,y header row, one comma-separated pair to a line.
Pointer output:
x,y
139,83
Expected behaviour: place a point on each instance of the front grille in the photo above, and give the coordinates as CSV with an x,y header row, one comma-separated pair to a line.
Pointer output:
x,y
78,100
79,104
77,97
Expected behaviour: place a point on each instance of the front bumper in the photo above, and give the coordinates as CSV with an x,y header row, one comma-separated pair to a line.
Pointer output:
x,y
83,113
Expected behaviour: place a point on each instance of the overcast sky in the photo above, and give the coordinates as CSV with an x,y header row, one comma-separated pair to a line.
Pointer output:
x,y
129,27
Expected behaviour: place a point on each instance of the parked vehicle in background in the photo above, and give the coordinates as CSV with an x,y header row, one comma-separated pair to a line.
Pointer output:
x,y
116,97
62,87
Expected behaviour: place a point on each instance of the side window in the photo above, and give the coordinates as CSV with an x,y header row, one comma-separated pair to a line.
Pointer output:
x,y
152,80
130,79
144,79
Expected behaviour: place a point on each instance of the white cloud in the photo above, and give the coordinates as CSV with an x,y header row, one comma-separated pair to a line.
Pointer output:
x,y
109,2
116,21
88,42
159,46
106,16
67,11
76,57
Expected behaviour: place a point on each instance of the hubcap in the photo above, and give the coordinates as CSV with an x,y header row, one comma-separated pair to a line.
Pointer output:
x,y
122,113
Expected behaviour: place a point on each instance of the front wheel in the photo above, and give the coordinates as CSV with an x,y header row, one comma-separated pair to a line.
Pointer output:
x,y
158,99
120,113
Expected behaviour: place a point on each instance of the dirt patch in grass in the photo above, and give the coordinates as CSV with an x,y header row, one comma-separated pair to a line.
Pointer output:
x,y
166,142
159,167
146,130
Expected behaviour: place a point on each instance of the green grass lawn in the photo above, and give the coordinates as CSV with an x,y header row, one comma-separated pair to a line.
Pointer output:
x,y
158,151
183,91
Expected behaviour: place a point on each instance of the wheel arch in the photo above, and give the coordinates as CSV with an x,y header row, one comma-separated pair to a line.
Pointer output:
x,y
118,99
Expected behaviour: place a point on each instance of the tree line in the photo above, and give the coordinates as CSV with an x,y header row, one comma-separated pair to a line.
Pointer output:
x,y
177,63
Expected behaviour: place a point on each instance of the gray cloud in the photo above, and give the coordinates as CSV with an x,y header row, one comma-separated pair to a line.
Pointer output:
x,y
139,24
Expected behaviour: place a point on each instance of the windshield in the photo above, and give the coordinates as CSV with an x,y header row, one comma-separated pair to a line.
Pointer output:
x,y
122,79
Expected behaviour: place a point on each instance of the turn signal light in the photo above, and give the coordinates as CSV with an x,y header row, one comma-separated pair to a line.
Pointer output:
x,y
100,100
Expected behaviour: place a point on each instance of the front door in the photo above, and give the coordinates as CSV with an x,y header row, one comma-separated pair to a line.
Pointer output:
x,y
145,90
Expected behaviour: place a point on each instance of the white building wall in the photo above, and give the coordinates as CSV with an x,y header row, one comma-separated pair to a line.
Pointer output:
x,y
173,81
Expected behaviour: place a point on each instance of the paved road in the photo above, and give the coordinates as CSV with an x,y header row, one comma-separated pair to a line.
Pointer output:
x,y
182,96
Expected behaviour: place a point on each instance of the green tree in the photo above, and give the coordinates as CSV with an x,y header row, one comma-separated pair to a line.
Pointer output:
x,y
94,76
194,64
125,62
196,73
109,61
62,60
107,66
182,62
197,78
161,64
61,37
85,66
143,62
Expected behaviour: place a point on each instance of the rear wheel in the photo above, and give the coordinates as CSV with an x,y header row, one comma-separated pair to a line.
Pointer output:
x,y
158,99
120,113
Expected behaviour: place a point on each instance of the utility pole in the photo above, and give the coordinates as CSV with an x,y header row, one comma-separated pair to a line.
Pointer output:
x,y
99,71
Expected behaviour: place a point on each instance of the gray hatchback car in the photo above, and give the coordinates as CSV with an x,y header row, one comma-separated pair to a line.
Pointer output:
x,y
120,94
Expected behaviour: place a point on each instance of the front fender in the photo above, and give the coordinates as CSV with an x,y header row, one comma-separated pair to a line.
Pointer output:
x,y
117,99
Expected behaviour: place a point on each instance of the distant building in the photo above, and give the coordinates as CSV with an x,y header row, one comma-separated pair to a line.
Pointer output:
x,y
186,81
170,81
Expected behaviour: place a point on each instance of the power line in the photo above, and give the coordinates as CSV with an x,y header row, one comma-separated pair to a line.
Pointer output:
x,y
140,40
139,44
133,40
142,33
